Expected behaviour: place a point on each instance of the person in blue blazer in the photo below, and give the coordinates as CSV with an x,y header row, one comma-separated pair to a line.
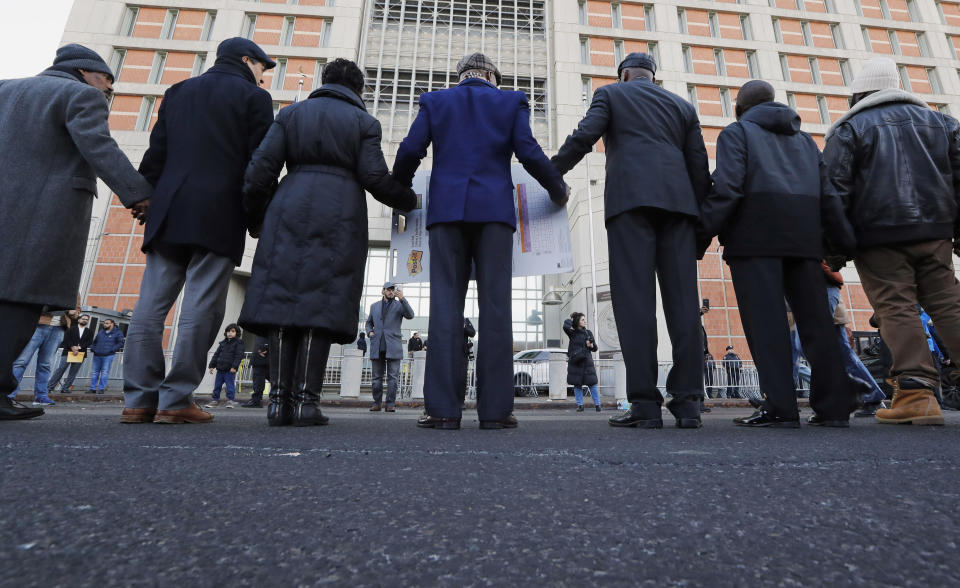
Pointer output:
x,y
475,128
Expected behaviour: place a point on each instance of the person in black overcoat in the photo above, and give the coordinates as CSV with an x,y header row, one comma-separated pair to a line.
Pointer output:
x,y
581,372
307,278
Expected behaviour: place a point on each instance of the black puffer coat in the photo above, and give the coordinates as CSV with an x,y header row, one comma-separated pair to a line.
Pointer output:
x,y
228,355
581,372
308,269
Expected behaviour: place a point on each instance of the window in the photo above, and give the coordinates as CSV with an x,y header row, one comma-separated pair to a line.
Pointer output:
x,y
784,68
912,10
719,62
615,14
894,44
799,4
866,38
904,78
682,20
845,72
837,35
772,3
745,29
807,35
714,24
208,23
169,24
318,73
276,108
250,26
923,45
582,12
726,108
687,59
943,108
146,112
648,17
279,73
198,64
943,19
777,34
824,111
129,20
859,8
586,87
584,50
815,70
829,6
156,70
618,52
753,65
286,34
692,96
885,9
654,50
953,48
791,100
116,61
934,78
325,31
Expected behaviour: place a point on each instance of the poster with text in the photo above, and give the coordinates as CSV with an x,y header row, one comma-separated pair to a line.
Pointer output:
x,y
541,243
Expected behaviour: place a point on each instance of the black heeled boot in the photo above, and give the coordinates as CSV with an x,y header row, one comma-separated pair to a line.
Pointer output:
x,y
311,365
283,362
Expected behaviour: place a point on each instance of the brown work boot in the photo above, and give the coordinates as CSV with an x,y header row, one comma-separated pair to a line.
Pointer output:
x,y
913,404
191,414
138,415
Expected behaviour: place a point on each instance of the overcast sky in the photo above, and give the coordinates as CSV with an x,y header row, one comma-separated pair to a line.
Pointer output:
x,y
30,32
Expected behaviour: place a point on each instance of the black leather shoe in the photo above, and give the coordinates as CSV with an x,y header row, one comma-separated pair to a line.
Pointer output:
x,y
755,403
762,418
510,422
252,404
307,414
580,409
687,412
11,410
816,420
597,407
429,422
869,409
642,419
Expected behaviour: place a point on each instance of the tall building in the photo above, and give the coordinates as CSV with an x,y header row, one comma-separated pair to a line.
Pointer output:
x,y
558,53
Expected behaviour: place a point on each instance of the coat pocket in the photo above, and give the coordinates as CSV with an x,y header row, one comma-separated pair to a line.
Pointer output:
x,y
83,184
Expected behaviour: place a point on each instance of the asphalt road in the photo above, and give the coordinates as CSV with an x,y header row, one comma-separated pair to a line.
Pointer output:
x,y
563,500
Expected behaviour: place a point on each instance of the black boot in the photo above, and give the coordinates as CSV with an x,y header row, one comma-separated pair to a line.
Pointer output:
x,y
283,363
311,365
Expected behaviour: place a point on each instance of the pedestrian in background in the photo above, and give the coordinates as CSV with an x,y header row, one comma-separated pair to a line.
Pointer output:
x,y
226,362
77,340
104,348
414,344
581,372
44,343
362,343
307,276
896,164
657,175
260,373
55,142
207,129
386,345
732,365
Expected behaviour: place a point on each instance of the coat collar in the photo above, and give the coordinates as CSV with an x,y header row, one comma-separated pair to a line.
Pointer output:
x,y
876,99
477,82
58,74
224,66
340,92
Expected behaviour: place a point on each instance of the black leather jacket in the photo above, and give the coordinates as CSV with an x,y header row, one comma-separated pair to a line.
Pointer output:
x,y
895,163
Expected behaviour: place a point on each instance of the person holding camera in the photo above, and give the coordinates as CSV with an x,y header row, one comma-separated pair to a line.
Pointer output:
x,y
386,347
581,372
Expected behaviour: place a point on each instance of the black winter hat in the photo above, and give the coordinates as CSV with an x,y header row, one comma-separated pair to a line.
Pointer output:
x,y
638,59
237,47
79,57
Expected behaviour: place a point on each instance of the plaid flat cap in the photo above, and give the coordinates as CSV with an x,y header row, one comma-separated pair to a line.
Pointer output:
x,y
478,61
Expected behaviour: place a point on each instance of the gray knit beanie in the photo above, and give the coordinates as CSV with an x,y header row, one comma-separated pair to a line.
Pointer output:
x,y
879,73
79,57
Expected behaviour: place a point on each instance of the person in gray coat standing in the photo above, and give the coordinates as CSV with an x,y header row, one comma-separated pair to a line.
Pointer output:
x,y
386,346
55,142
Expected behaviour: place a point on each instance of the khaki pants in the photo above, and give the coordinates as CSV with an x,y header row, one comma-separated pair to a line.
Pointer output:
x,y
898,277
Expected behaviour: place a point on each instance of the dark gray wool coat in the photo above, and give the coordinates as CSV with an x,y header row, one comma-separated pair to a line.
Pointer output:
x,y
308,268
54,143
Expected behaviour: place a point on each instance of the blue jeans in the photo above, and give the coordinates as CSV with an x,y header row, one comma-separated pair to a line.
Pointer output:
x,y
578,394
100,375
227,378
801,372
44,343
851,362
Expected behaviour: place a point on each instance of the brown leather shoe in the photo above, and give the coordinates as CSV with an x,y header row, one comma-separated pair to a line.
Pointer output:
x,y
375,407
390,408
913,405
191,414
138,415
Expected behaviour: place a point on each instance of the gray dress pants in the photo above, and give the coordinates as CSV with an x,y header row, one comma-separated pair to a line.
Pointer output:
x,y
204,278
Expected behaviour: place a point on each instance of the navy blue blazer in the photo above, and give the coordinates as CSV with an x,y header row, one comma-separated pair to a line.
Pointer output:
x,y
475,128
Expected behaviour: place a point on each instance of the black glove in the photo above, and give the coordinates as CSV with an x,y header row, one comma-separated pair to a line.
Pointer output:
x,y
836,262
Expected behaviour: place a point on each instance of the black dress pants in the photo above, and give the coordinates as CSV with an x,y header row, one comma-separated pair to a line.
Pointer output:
x,y
644,243
19,323
761,283
454,248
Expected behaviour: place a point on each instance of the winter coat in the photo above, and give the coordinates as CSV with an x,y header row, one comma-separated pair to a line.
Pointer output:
x,y
228,355
475,128
107,342
72,339
55,143
771,194
469,332
732,362
656,157
582,372
414,344
308,268
895,164
385,324
362,345
206,131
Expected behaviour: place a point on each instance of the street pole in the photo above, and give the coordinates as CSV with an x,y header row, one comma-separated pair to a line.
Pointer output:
x,y
593,254
299,87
